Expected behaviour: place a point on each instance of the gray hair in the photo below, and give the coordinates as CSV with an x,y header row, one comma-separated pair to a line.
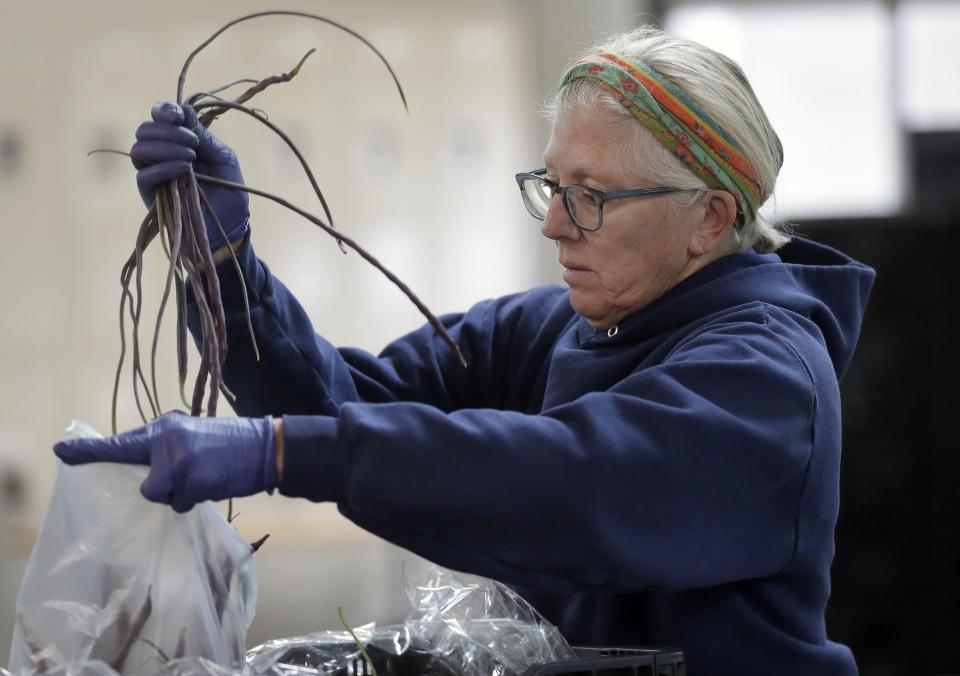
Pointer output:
x,y
717,84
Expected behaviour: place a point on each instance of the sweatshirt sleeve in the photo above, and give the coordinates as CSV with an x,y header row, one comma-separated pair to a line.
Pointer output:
x,y
300,372
686,474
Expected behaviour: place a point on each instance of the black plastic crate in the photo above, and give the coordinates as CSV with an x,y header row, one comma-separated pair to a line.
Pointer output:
x,y
417,661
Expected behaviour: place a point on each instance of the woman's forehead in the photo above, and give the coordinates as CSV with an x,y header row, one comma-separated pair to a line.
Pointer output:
x,y
588,144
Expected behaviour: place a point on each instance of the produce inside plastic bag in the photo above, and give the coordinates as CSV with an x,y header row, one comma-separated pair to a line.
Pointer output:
x,y
128,583
459,624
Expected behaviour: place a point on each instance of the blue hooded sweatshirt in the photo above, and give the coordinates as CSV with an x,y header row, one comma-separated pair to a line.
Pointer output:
x,y
672,481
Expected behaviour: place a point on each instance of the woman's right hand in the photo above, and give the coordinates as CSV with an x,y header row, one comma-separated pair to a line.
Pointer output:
x,y
173,140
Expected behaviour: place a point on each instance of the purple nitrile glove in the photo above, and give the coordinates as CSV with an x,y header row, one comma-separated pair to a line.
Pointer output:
x,y
191,459
167,145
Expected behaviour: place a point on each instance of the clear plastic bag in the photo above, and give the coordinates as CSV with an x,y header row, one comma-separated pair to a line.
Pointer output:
x,y
478,627
329,652
459,625
115,582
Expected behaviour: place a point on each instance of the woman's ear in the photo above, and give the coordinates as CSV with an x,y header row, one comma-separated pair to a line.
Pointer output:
x,y
719,214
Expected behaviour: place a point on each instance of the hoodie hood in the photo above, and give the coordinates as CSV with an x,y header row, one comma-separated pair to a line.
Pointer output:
x,y
829,288
810,279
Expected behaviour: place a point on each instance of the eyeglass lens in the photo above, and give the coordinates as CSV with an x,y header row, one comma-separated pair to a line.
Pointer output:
x,y
583,207
538,194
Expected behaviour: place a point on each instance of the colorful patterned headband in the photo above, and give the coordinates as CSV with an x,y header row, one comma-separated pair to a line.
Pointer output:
x,y
678,123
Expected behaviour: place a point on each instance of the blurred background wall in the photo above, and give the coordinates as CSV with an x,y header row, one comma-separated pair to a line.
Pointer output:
x,y
865,98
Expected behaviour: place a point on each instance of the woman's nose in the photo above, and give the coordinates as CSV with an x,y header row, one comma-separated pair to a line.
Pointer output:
x,y
557,224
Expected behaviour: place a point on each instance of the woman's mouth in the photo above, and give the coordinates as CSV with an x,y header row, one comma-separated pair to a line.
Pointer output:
x,y
574,273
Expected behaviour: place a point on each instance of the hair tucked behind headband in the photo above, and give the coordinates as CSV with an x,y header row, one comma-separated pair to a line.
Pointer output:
x,y
718,87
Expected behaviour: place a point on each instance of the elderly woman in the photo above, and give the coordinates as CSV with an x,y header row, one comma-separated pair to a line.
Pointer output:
x,y
649,454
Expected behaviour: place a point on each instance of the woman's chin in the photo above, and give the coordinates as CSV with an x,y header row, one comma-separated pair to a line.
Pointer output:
x,y
587,306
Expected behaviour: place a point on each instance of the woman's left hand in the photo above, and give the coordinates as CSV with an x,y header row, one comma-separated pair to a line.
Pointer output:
x,y
191,459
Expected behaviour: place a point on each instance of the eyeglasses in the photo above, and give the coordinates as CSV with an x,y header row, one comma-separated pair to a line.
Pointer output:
x,y
584,204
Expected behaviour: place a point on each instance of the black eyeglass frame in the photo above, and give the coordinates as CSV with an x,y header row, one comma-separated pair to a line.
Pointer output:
x,y
599,195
